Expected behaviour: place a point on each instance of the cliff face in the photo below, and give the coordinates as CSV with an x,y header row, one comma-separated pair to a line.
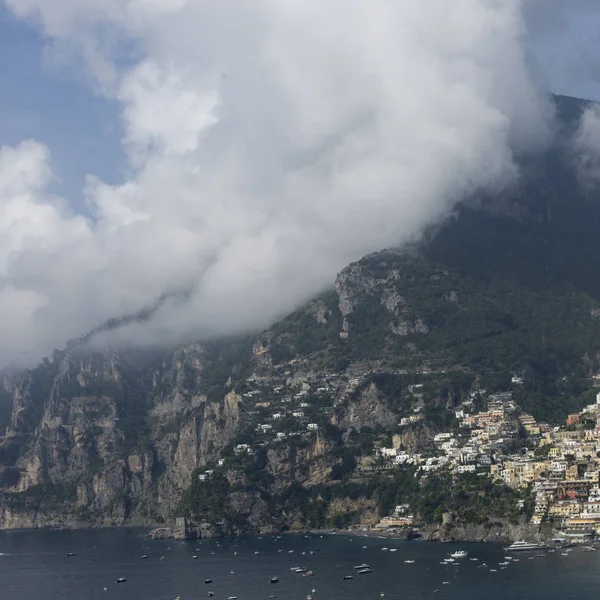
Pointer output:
x,y
106,437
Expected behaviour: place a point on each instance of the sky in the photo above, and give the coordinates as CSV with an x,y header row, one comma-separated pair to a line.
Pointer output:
x,y
233,156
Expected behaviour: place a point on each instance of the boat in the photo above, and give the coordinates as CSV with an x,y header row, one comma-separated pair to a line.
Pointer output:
x,y
364,571
348,577
274,579
300,570
449,560
144,556
384,549
503,564
524,546
194,557
474,559
71,554
308,574
459,554
409,562
363,566
232,598
393,549
257,553
210,594
208,581
121,580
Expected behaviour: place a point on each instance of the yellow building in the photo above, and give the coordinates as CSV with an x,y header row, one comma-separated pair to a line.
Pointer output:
x,y
565,509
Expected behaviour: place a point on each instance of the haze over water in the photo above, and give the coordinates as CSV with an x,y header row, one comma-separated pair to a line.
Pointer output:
x,y
35,566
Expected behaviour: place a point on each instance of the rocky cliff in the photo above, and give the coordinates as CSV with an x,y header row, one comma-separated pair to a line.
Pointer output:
x,y
272,430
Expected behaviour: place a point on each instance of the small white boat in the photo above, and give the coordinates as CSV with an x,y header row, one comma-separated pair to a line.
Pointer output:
x,y
409,562
393,549
449,560
384,549
459,554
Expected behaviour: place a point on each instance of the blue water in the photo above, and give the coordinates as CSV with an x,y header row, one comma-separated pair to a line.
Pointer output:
x,y
34,565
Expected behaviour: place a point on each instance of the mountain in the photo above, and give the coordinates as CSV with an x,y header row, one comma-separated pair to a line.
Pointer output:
x,y
507,288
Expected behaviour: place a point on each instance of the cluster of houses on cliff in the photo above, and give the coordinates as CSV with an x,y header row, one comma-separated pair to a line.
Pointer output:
x,y
559,466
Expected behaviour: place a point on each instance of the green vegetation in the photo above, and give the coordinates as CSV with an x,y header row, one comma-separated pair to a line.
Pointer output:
x,y
206,500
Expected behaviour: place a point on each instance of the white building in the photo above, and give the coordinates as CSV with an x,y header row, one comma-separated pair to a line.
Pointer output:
x,y
389,452
265,427
241,448
466,468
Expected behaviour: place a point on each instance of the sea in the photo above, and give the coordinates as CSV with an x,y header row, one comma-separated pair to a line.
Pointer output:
x,y
34,565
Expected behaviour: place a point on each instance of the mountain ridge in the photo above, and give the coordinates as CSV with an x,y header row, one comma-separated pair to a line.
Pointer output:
x,y
120,435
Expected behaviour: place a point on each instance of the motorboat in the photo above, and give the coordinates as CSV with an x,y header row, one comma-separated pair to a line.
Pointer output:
x,y
364,571
274,579
459,554
363,566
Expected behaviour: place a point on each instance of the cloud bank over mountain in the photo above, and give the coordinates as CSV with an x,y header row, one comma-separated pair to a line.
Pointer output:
x,y
269,143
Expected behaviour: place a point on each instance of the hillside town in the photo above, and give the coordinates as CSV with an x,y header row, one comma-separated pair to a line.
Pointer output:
x,y
556,467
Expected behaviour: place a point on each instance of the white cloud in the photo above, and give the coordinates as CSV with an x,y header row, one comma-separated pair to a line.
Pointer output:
x,y
586,145
270,142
